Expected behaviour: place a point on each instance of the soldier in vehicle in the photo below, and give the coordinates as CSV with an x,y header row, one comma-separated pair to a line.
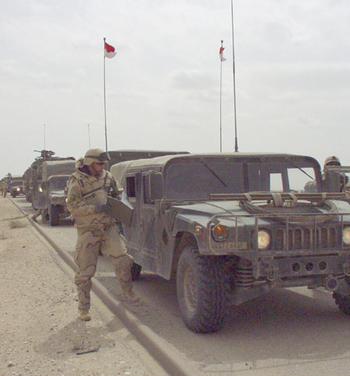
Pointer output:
x,y
98,233
333,161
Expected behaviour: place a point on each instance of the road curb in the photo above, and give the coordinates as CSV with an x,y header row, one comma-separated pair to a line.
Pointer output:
x,y
155,345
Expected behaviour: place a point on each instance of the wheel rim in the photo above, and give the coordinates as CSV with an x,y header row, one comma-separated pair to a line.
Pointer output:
x,y
190,291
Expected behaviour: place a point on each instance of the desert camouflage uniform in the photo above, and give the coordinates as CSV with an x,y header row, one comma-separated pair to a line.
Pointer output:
x,y
97,232
4,188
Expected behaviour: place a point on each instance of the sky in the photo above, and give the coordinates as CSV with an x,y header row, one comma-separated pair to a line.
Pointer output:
x,y
162,87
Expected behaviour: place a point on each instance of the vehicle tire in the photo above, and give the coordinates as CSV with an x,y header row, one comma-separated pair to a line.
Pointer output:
x,y
54,217
200,285
135,271
343,302
13,195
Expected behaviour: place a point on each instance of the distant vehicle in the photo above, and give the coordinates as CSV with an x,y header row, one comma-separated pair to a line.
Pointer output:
x,y
16,186
231,227
50,196
32,176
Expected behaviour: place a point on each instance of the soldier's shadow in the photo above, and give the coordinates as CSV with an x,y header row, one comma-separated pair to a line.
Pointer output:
x,y
77,337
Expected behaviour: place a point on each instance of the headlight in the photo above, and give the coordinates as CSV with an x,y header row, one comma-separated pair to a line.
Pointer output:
x,y
220,233
264,239
40,189
18,189
346,235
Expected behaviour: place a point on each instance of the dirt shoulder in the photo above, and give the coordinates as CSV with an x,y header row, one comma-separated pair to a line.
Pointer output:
x,y
40,332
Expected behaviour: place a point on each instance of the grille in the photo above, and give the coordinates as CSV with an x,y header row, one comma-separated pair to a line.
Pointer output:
x,y
307,238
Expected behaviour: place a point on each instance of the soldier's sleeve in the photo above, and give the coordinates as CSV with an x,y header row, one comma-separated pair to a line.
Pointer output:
x,y
115,189
76,204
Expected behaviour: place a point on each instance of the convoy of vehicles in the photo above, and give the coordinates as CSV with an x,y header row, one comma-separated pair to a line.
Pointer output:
x,y
228,227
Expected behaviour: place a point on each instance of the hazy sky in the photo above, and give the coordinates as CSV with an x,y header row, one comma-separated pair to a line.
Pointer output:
x,y
292,66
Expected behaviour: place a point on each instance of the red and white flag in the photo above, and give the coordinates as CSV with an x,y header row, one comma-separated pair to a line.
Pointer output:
x,y
109,51
221,53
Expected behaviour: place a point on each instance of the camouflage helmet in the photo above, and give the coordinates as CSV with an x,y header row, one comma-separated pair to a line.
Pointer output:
x,y
95,155
332,161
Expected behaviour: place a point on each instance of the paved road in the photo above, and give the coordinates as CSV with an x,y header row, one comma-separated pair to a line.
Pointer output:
x,y
288,332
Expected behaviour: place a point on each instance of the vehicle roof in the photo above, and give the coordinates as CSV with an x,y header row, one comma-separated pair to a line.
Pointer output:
x,y
119,169
59,162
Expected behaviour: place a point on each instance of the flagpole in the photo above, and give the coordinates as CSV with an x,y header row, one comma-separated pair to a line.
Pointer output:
x,y
234,78
104,91
221,100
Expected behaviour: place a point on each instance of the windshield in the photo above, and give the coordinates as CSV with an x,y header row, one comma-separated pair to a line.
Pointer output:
x,y
198,178
58,183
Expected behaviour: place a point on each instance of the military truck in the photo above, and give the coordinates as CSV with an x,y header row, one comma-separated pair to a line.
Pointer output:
x,y
50,196
232,227
16,186
32,176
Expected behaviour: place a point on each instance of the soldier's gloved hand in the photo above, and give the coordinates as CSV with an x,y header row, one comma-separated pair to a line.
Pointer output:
x,y
105,208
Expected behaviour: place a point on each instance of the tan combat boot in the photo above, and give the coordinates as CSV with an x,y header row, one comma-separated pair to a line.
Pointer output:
x,y
128,294
84,315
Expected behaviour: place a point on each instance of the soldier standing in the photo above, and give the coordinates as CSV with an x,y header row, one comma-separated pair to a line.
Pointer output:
x,y
98,233
5,184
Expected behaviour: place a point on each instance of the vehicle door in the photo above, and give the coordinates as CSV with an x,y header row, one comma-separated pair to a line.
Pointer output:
x,y
148,225
133,189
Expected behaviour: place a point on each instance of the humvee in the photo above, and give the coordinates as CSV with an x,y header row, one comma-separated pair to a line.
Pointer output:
x,y
231,227
50,195
32,177
16,186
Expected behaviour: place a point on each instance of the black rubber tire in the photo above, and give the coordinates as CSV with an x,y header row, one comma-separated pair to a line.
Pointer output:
x,y
343,302
135,271
13,195
207,313
54,215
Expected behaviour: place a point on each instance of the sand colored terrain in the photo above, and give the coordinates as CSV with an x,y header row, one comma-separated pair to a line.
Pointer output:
x,y
40,332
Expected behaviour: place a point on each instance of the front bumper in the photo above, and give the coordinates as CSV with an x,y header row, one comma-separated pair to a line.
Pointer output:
x,y
278,268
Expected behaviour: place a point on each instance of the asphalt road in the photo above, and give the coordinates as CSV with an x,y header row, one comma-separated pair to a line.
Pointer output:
x,y
287,332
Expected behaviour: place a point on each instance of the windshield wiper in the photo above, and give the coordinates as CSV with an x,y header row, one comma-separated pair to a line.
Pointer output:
x,y
213,173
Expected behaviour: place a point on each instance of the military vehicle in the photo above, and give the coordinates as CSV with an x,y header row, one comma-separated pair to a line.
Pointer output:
x,y
32,176
27,184
232,227
16,186
51,195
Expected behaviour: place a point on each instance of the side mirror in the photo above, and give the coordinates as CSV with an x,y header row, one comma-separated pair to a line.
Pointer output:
x,y
155,186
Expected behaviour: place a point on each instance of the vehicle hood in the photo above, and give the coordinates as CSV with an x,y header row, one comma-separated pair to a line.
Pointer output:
x,y
228,211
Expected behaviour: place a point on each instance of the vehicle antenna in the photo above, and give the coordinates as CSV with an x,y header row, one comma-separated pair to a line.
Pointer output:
x,y
88,126
44,137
